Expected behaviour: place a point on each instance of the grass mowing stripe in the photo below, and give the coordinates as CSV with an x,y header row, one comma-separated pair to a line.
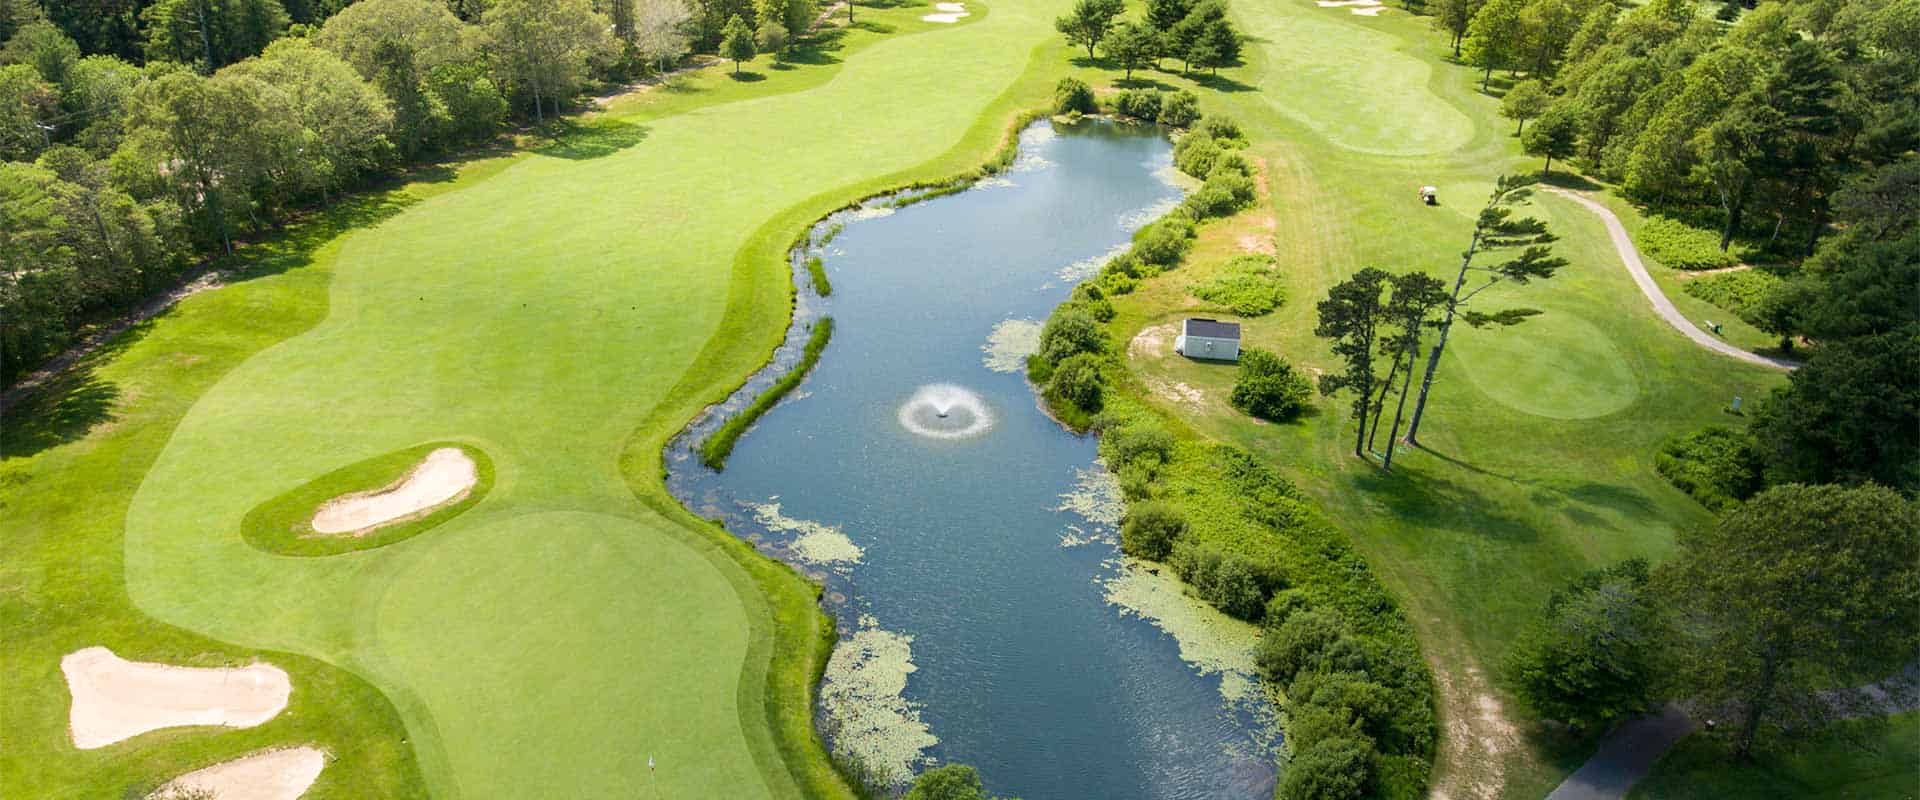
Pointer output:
x,y
714,451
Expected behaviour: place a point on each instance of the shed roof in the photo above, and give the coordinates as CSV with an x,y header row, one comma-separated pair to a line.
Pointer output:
x,y
1212,329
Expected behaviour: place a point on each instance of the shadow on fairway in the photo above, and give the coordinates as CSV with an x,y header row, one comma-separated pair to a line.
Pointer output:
x,y
1568,180
747,77
1221,83
67,406
596,139
72,403
1436,502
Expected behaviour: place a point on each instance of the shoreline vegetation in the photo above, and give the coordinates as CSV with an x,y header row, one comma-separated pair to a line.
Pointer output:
x,y
1336,652
714,451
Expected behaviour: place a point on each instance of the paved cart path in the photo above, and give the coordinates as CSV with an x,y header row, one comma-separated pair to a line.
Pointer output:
x,y
1661,305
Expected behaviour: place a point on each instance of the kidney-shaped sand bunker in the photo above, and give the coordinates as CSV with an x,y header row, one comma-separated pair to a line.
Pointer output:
x,y
372,503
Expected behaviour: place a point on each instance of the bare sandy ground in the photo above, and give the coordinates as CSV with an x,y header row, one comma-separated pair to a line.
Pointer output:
x,y
444,476
270,775
1365,8
1154,341
949,13
116,699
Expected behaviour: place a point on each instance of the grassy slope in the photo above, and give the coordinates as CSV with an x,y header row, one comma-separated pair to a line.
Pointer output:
x,y
1541,438
1699,768
601,667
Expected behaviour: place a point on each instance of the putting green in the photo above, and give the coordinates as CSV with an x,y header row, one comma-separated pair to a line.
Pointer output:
x,y
1556,365
1326,69
548,639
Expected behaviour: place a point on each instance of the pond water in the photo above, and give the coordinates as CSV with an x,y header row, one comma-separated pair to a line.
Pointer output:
x,y
967,540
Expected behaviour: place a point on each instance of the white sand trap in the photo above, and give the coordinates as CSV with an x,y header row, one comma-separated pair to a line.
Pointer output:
x,y
949,13
1369,11
116,699
445,476
272,775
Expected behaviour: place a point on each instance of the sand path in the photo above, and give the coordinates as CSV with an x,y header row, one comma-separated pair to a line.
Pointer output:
x,y
1630,256
446,475
115,699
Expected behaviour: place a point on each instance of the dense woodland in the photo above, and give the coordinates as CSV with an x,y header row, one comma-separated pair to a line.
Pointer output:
x,y
141,137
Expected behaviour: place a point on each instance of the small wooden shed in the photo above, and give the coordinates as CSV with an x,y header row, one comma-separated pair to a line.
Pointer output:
x,y
1209,339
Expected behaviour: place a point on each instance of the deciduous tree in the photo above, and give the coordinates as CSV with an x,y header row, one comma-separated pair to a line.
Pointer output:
x,y
1526,100
1803,590
1089,21
1554,136
738,44
1593,657
1131,46
541,48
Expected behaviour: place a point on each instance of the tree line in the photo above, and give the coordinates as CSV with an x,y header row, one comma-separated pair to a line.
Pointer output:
x,y
1194,32
141,135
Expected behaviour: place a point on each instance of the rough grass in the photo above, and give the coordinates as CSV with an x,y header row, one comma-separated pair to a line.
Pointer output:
x,y
1887,768
714,451
283,525
1738,292
540,309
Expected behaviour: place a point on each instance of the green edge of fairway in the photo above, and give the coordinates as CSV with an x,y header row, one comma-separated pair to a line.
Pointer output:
x,y
283,525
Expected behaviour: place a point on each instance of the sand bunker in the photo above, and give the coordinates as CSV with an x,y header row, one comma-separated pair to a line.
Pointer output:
x,y
272,775
949,13
444,477
116,699
1365,8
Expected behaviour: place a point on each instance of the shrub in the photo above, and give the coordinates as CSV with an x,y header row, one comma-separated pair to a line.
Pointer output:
x,y
1101,309
1072,95
1116,283
948,782
1068,332
1716,466
1136,443
1151,529
1237,590
1744,293
1329,769
1223,128
1077,380
1179,109
1164,243
1283,605
1681,246
1247,294
1299,643
1139,104
1195,154
1590,660
1268,387
1225,192
1234,161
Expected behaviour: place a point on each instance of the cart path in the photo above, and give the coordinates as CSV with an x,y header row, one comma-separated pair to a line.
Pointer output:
x,y
1630,256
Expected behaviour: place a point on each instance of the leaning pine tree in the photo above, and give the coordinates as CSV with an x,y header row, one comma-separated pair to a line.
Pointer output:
x,y
1351,317
1496,232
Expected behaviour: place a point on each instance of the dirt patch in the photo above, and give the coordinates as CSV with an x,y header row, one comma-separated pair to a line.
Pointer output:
x,y
1155,341
1257,243
1178,394
1479,737
444,477
270,775
115,699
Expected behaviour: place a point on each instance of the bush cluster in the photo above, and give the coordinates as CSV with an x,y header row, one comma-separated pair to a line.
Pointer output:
x,y
1714,465
1682,246
1140,104
1179,109
1073,96
1247,287
1150,530
1744,293
1268,387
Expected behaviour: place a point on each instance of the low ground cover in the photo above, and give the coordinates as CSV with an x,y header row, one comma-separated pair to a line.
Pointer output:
x,y
1881,768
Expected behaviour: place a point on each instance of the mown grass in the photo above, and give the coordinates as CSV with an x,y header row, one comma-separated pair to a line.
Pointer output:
x,y
719,445
1539,440
284,525
494,310
1886,767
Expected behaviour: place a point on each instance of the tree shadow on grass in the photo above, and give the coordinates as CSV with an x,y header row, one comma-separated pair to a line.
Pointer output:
x,y
1221,83
747,77
1568,180
1431,501
596,139
874,27
65,407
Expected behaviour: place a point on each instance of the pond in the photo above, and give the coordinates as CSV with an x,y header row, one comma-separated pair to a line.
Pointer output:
x,y
966,540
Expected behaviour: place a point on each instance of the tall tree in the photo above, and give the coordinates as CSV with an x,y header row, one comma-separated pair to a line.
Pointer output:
x,y
1594,657
1495,37
1554,136
541,48
397,45
738,45
660,31
1131,46
1351,317
1803,590
27,103
1089,22
43,47
211,33
344,121
1162,15
1410,311
1495,232
1526,100
1453,16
